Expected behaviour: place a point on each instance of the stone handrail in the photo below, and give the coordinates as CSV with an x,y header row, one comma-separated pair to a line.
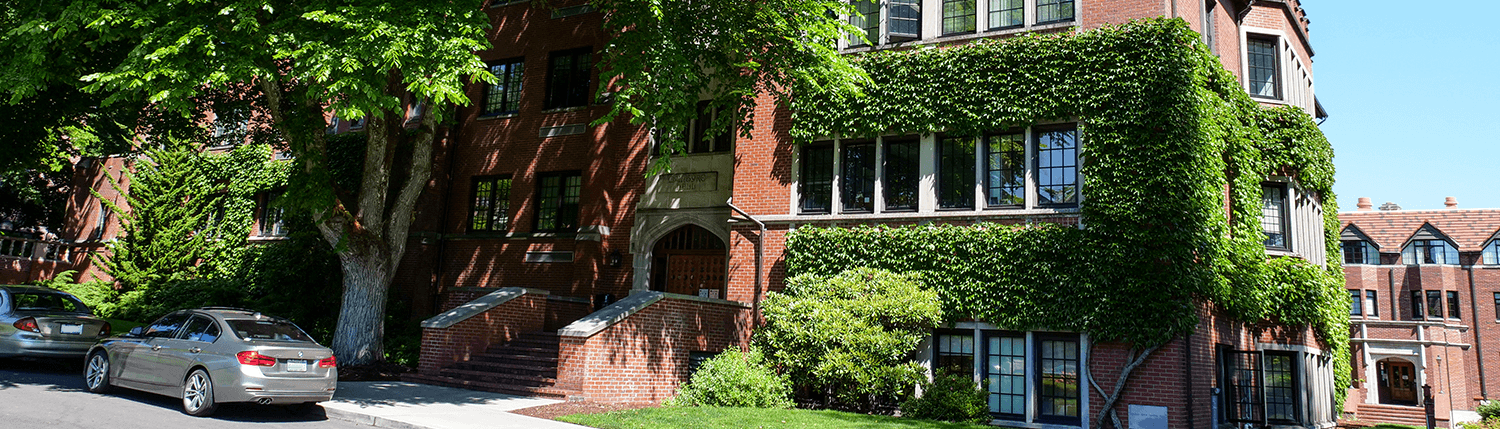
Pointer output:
x,y
478,305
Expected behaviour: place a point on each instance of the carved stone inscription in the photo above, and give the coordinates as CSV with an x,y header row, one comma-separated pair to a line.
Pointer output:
x,y
689,182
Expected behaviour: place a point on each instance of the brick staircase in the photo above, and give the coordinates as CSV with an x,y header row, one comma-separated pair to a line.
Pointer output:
x,y
1399,414
525,366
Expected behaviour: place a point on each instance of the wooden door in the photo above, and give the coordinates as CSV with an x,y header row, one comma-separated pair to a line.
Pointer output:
x,y
690,261
1398,382
687,274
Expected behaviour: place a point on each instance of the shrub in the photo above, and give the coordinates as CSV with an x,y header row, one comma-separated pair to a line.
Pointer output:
x,y
850,337
952,396
1488,410
735,379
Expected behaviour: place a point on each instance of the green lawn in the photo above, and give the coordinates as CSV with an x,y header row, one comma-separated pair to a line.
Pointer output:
x,y
710,417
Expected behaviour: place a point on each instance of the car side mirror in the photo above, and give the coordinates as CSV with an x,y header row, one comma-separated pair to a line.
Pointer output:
x,y
135,332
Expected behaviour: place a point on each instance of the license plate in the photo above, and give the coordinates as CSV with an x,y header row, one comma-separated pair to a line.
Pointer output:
x,y
296,365
71,329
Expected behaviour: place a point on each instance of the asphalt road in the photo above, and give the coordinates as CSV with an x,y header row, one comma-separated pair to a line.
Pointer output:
x,y
49,394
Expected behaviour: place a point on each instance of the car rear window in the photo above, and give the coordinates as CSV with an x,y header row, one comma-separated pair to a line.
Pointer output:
x,y
46,301
276,330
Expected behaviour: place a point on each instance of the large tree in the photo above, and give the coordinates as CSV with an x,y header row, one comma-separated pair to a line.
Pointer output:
x,y
299,61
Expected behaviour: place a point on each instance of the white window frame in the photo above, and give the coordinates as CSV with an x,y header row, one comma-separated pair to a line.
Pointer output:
x,y
932,24
978,330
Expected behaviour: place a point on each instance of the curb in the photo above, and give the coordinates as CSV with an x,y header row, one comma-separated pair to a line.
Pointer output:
x,y
368,420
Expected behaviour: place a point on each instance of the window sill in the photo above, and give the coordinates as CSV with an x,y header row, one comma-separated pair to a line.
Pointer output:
x,y
565,109
946,214
497,116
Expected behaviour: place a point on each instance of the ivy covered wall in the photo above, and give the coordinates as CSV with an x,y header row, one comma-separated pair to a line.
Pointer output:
x,y
1167,135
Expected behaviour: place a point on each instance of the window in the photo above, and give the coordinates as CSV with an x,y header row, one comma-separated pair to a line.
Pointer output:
x,y
958,16
1453,305
1372,306
858,180
200,329
166,326
1265,80
489,207
357,123
702,142
1435,304
1497,305
557,201
956,172
1051,11
101,221
1359,252
866,17
1058,382
906,19
230,128
1491,253
1281,387
504,96
902,158
1416,305
817,178
1422,252
568,78
1241,372
1005,181
1057,166
1274,220
1355,300
1007,14
272,221
1005,374
955,352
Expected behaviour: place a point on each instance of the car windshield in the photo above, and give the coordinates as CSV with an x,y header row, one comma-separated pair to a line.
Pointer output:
x,y
261,329
47,301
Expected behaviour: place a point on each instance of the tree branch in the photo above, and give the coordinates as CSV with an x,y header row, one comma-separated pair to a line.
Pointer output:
x,y
1108,410
420,171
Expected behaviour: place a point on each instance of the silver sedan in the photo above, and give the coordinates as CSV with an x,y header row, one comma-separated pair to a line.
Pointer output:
x,y
44,322
215,355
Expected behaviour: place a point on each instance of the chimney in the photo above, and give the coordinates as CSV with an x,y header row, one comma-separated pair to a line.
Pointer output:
x,y
1389,206
1451,202
1364,204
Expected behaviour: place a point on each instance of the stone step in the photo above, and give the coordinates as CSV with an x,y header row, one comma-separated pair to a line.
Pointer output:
x,y
513,358
510,349
499,378
507,368
545,392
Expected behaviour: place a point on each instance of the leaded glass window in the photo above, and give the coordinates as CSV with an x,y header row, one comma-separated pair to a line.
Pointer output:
x,y
1265,79
1007,13
489,208
1416,305
1005,181
1274,220
858,179
817,178
1056,166
1281,387
1435,304
1359,252
1005,373
1422,252
1491,254
568,78
1242,386
955,352
1453,305
958,16
902,161
956,172
557,197
1050,11
1058,383
504,96
1372,303
866,17
1355,300
906,19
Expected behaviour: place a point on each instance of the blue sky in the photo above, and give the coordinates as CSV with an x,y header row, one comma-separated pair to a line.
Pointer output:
x,y
1413,94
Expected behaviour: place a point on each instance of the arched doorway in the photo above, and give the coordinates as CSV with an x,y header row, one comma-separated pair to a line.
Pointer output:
x,y
691,261
1397,381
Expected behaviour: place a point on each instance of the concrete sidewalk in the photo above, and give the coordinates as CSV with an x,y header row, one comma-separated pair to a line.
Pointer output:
x,y
402,405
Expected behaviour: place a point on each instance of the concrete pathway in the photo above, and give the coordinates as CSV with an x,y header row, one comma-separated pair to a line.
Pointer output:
x,y
402,405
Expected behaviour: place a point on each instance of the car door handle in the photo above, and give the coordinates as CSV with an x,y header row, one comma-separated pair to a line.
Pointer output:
x,y
195,350
155,348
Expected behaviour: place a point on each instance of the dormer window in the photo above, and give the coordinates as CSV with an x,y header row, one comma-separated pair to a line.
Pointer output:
x,y
1428,252
1358,248
1491,254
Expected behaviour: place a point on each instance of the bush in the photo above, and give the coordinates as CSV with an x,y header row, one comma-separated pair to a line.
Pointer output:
x,y
952,396
1488,410
735,379
850,337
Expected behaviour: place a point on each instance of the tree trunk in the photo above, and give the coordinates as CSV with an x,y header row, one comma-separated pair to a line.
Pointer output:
x,y
359,336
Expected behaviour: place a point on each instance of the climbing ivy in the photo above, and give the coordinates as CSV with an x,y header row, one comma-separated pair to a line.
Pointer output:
x,y
1168,133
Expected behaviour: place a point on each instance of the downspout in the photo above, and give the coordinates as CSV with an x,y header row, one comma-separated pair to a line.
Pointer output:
x,y
1478,343
759,257
1187,353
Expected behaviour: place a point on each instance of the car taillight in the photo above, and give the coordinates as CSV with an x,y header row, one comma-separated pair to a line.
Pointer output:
x,y
329,362
27,324
250,357
104,330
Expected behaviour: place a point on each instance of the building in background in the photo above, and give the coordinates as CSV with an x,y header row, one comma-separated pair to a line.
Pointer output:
x,y
1425,288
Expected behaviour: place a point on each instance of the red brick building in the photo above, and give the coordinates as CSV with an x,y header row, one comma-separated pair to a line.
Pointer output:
x,y
556,267
1426,287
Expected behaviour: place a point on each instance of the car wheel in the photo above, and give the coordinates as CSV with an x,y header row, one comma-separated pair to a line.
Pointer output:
x,y
198,394
96,372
